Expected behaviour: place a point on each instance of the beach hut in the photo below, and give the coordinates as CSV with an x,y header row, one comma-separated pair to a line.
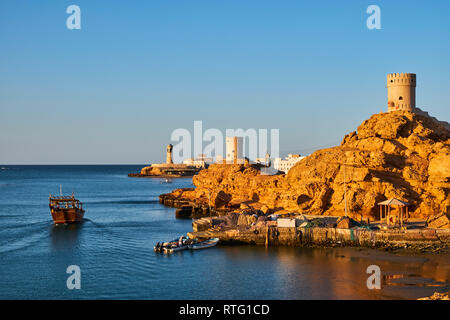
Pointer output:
x,y
397,217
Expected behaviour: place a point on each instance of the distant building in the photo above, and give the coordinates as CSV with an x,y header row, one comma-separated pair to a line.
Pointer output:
x,y
169,168
200,162
234,149
269,171
286,164
264,161
221,160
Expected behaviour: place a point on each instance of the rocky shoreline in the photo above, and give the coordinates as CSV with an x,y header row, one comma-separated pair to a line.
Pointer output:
x,y
415,240
253,227
162,176
398,154
392,155
187,208
166,170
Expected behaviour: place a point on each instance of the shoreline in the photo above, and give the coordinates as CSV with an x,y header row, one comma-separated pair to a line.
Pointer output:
x,y
319,233
417,240
139,175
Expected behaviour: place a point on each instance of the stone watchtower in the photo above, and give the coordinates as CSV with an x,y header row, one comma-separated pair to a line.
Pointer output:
x,y
401,91
169,154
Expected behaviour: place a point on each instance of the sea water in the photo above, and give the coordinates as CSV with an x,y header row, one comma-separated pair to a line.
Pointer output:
x,y
113,249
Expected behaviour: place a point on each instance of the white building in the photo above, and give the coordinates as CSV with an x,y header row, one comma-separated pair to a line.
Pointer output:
x,y
222,160
234,148
266,161
286,164
200,162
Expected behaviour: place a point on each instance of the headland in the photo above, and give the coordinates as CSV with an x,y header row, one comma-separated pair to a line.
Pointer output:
x,y
168,169
398,155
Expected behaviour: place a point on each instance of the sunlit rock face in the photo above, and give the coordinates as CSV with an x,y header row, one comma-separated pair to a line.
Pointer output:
x,y
397,154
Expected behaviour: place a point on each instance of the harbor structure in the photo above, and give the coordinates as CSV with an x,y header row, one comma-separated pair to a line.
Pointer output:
x,y
401,91
168,169
287,163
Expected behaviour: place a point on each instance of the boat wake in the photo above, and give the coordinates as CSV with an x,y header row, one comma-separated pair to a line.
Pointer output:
x,y
123,202
23,237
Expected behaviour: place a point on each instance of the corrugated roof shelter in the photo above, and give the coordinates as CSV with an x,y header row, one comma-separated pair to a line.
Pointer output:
x,y
393,202
392,219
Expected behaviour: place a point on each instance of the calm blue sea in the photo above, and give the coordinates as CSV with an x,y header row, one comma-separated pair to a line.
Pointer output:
x,y
114,249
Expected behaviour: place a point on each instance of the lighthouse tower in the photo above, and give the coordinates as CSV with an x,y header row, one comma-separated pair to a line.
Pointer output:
x,y
169,159
401,91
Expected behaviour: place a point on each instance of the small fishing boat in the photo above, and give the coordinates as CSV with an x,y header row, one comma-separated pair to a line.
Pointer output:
x,y
159,247
176,244
175,248
181,245
204,244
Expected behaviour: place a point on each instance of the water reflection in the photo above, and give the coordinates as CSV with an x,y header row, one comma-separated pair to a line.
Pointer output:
x,y
306,273
66,236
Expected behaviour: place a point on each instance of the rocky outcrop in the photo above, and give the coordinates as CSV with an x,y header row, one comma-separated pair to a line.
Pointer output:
x,y
398,154
166,170
437,296
439,221
345,223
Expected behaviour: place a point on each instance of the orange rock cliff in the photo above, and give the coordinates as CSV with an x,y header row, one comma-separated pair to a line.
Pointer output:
x,y
397,154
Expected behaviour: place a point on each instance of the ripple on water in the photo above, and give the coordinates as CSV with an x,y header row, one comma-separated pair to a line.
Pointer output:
x,y
20,237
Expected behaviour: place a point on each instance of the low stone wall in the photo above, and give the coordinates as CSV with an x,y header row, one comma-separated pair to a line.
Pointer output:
x,y
274,236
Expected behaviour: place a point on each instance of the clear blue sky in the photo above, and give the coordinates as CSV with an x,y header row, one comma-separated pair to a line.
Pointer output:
x,y
114,91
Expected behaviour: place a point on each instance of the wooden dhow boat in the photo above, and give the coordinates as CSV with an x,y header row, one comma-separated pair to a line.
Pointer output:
x,y
66,209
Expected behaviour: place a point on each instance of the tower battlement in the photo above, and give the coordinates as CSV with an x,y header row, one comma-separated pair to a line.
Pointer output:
x,y
401,91
395,79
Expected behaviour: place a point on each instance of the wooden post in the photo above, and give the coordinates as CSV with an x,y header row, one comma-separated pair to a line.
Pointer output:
x,y
403,218
389,215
